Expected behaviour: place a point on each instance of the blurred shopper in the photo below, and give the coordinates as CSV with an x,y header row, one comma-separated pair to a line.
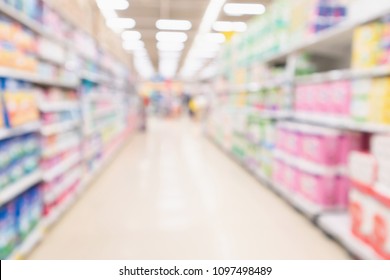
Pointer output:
x,y
192,107
143,114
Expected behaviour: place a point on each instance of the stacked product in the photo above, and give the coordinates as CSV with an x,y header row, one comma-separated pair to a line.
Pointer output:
x,y
362,100
273,98
104,120
18,219
40,175
312,161
19,157
21,106
370,195
17,46
371,44
284,25
260,140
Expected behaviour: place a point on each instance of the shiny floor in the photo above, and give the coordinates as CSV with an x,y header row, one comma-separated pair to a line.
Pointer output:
x,y
171,194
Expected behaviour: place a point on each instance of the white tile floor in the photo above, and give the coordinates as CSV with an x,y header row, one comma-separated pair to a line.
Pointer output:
x,y
171,194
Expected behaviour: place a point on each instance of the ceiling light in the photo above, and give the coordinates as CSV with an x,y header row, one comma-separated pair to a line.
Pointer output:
x,y
141,52
163,36
133,46
210,16
171,24
109,13
112,4
173,47
131,36
169,54
239,9
229,26
217,38
120,23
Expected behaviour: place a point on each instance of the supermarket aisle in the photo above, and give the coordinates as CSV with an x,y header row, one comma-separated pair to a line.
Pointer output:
x,y
172,195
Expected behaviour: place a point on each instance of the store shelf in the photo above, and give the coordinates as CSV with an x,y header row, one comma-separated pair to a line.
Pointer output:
x,y
308,166
59,106
339,36
104,112
341,123
347,74
273,115
94,77
309,209
337,225
36,79
254,87
61,168
59,127
86,181
28,245
19,187
21,130
306,207
57,213
69,181
61,147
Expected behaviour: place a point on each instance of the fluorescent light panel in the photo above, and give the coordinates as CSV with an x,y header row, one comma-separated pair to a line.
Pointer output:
x,y
131,35
171,24
168,46
169,54
120,23
164,36
240,9
133,46
112,4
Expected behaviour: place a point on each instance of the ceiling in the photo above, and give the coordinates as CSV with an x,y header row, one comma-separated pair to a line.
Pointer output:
x,y
147,12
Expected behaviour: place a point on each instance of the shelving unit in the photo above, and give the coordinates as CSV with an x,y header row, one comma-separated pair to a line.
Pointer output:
x,y
331,39
67,152
59,106
19,187
338,227
341,123
59,127
33,239
21,130
36,79
330,44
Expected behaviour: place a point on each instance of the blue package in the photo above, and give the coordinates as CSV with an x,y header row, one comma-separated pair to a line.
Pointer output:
x,y
35,202
22,217
8,233
15,172
5,159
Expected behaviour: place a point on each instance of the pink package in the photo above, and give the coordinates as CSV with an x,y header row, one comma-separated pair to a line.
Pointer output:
x,y
323,105
342,189
300,98
293,142
291,178
281,139
321,148
279,172
350,141
311,98
319,189
340,98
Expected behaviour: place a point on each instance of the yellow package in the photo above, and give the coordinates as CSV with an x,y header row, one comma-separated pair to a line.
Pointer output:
x,y
366,45
22,108
379,100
